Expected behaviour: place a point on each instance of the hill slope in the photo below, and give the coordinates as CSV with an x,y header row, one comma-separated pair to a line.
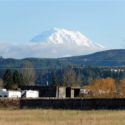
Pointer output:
x,y
103,58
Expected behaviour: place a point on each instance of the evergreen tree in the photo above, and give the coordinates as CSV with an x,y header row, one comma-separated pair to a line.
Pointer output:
x,y
17,78
1,83
8,79
54,79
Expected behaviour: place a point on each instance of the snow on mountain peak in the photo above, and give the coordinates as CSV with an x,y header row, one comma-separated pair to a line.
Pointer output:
x,y
54,43
68,36
60,42
63,36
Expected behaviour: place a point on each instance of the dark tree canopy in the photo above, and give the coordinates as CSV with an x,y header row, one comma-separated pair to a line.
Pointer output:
x,y
17,78
8,79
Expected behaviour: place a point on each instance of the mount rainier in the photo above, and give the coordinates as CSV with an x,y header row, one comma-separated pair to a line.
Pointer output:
x,y
54,43
63,36
63,42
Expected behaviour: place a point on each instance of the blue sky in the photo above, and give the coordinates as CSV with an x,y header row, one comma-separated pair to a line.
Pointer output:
x,y
102,21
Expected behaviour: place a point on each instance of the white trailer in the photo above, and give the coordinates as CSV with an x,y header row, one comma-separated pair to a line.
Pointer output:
x,y
14,94
30,94
10,93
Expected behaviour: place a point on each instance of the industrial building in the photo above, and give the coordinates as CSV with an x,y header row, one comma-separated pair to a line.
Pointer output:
x,y
55,92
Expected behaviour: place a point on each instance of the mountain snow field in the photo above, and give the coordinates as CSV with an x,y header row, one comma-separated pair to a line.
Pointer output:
x,y
54,43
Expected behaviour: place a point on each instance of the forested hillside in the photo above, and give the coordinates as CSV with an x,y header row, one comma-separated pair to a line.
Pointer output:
x,y
110,63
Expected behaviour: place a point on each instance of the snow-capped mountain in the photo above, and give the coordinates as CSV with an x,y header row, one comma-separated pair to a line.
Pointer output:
x,y
55,43
62,36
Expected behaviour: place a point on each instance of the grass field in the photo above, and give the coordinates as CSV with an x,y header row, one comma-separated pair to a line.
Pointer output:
x,y
61,117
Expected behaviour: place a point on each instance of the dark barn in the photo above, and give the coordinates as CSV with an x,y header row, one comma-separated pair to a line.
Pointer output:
x,y
44,91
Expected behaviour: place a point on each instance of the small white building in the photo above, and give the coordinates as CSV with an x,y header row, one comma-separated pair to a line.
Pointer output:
x,y
30,94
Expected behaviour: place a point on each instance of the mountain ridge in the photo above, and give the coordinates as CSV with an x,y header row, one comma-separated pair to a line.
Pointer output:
x,y
113,57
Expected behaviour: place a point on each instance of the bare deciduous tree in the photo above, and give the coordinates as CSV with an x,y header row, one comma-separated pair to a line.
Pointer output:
x,y
28,73
70,78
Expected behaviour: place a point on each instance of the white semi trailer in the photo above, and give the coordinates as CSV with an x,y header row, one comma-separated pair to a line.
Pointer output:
x,y
30,94
10,93
14,94
18,94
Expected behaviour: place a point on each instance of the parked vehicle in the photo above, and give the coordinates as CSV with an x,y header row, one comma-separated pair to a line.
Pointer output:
x,y
3,93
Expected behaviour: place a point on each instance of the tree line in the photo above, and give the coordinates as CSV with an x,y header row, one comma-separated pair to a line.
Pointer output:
x,y
94,77
13,79
27,76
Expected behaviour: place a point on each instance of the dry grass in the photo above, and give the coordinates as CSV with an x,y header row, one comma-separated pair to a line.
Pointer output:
x,y
61,117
